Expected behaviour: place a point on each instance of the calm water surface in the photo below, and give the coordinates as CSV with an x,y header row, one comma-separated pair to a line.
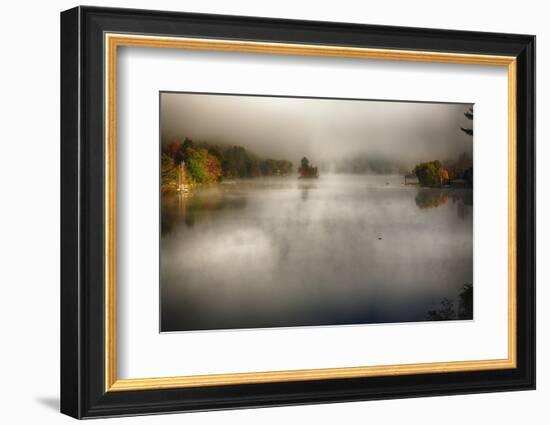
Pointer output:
x,y
342,249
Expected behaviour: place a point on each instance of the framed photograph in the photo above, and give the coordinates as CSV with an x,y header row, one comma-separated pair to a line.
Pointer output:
x,y
261,212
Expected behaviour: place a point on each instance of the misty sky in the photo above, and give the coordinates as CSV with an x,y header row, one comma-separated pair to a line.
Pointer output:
x,y
324,130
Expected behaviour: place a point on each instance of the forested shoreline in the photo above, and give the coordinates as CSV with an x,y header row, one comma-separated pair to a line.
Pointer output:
x,y
443,173
184,164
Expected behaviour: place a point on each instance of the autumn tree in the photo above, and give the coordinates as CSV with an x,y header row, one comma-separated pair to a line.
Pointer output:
x,y
428,173
213,168
203,167
443,176
168,172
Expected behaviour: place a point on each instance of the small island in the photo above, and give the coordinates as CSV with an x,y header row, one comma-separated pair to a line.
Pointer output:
x,y
307,171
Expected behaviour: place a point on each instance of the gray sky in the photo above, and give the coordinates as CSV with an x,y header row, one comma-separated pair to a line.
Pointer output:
x,y
321,129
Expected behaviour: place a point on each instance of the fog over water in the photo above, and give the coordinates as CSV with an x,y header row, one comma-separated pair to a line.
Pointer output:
x,y
324,130
281,252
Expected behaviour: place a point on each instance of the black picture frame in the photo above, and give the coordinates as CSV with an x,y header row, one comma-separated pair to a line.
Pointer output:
x,y
83,392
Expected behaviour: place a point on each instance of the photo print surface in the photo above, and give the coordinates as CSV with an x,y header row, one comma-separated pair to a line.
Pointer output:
x,y
290,211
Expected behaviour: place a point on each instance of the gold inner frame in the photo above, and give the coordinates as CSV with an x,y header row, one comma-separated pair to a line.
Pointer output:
x,y
113,41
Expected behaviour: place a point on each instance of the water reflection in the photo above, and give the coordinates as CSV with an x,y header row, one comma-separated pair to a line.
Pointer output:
x,y
435,197
338,250
188,208
305,187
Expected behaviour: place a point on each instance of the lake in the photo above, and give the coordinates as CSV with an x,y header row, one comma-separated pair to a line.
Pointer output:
x,y
340,249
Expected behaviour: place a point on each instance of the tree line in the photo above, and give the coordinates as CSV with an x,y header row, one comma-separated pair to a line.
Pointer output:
x,y
188,162
437,173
